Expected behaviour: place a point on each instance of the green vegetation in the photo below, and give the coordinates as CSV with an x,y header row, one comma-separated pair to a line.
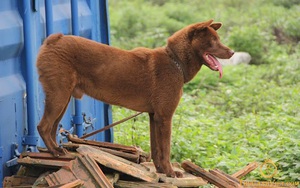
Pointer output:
x,y
253,112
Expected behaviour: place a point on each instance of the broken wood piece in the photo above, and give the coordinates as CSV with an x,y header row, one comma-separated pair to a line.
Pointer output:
x,y
136,184
40,181
43,155
143,156
188,180
54,163
228,176
83,168
18,181
198,171
100,152
113,177
95,171
246,170
225,178
76,183
119,164
131,157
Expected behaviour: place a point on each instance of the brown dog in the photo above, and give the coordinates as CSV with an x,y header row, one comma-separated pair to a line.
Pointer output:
x,y
145,80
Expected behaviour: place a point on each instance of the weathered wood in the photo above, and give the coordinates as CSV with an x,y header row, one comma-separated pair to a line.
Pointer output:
x,y
41,182
18,181
119,164
136,151
42,162
76,183
131,157
95,171
99,152
83,168
188,180
135,184
61,177
113,177
228,176
225,178
246,170
198,171
49,156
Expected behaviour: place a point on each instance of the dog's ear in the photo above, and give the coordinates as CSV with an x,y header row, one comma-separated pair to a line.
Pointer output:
x,y
198,27
216,25
207,23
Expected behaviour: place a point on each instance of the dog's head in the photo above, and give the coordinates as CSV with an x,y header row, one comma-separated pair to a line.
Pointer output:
x,y
200,42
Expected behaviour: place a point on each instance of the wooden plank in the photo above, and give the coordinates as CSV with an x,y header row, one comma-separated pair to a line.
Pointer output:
x,y
119,164
42,162
225,178
21,181
131,157
113,177
76,183
142,155
246,170
228,176
97,150
82,168
188,180
43,155
198,171
136,184
61,177
95,171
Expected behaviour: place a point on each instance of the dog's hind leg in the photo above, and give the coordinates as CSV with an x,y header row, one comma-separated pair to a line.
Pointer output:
x,y
55,106
54,129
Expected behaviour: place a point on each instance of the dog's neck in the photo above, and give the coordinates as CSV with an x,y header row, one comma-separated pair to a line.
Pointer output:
x,y
176,62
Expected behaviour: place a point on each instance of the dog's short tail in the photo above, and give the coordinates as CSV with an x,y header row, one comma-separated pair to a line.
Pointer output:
x,y
52,39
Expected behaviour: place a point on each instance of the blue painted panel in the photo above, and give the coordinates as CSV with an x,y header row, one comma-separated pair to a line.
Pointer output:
x,y
22,31
12,84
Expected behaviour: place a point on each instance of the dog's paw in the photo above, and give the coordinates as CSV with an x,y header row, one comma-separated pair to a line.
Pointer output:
x,y
59,152
175,174
179,174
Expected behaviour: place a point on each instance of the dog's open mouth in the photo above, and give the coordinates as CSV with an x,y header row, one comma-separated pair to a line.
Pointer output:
x,y
213,63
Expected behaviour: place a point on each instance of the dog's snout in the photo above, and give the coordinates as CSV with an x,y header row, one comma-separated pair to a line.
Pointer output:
x,y
231,52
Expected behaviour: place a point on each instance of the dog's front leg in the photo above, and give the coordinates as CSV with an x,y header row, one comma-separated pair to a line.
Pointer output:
x,y
160,136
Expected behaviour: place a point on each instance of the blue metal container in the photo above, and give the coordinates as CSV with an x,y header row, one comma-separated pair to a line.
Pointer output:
x,y
23,27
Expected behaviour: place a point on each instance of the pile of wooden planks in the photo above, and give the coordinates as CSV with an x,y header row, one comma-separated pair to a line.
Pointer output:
x,y
101,164
217,177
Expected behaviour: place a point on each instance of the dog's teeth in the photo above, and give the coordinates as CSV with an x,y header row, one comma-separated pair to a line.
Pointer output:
x,y
207,58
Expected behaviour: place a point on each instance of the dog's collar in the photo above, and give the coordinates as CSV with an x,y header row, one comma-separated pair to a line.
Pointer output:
x,y
177,65
176,62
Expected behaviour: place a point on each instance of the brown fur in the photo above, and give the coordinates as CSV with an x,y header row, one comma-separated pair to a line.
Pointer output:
x,y
145,80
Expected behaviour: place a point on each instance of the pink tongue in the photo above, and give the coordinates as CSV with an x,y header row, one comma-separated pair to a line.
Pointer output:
x,y
220,68
217,63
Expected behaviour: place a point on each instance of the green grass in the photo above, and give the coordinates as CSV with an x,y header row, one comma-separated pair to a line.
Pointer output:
x,y
253,112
